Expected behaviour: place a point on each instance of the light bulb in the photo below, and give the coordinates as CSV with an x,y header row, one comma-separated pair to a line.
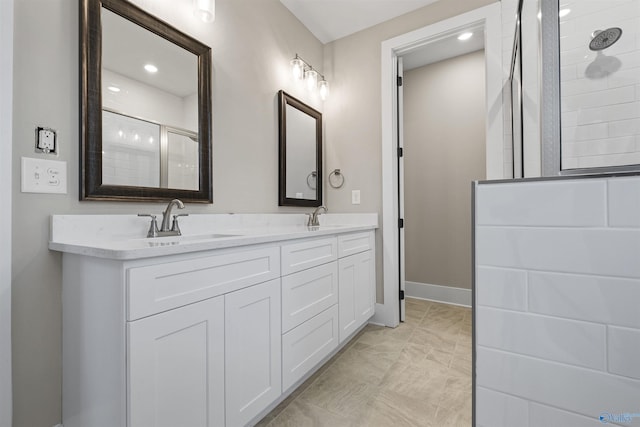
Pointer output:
x,y
311,76
151,68
323,88
205,10
465,36
297,68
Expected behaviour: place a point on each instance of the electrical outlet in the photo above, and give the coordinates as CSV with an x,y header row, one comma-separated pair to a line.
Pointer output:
x,y
46,141
355,197
44,176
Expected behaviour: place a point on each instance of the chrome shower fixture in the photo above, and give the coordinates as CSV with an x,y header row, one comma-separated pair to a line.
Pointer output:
x,y
604,39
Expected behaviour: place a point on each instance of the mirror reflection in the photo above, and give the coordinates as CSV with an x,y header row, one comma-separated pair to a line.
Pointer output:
x,y
300,153
146,107
149,85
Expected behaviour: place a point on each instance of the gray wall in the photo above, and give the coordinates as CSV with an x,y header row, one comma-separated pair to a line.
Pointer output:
x,y
352,117
444,137
6,70
252,43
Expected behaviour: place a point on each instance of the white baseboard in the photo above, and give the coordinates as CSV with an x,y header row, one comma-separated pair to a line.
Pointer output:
x,y
438,293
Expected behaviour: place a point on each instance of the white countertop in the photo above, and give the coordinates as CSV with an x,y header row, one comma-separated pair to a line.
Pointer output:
x,y
122,237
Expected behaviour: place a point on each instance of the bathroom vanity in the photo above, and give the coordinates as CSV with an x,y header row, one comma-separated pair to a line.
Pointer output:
x,y
208,329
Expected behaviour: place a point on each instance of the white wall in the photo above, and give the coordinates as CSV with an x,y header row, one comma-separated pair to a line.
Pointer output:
x,y
252,43
600,92
6,98
557,291
148,102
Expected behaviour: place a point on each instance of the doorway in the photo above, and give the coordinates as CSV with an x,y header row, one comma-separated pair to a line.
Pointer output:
x,y
444,151
489,19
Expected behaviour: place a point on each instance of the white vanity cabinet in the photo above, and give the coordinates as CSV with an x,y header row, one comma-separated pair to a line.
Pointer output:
x,y
207,338
356,273
252,351
176,366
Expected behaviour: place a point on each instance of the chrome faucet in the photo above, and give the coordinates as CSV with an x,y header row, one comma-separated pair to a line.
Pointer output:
x,y
164,229
313,216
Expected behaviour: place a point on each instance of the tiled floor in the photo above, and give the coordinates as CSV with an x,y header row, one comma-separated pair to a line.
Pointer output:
x,y
418,374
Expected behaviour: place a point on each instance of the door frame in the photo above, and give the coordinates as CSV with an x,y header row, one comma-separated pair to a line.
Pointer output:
x,y
6,141
491,18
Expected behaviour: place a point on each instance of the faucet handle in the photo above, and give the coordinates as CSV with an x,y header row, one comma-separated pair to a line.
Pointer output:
x,y
153,228
175,227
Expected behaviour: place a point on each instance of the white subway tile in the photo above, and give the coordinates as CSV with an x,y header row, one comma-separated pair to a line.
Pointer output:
x,y
624,202
624,127
570,119
497,287
603,160
566,341
586,132
606,300
600,98
624,77
605,252
568,73
595,147
542,415
629,110
624,351
570,203
583,391
494,409
569,163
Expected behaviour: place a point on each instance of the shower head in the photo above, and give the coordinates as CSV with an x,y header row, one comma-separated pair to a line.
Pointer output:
x,y
603,39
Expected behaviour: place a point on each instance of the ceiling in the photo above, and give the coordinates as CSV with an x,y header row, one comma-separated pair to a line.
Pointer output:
x,y
144,47
330,20
445,48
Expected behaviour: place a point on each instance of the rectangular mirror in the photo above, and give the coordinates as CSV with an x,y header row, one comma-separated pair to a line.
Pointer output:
x,y
300,126
146,107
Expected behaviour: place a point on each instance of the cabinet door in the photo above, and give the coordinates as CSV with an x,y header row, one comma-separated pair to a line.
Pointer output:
x,y
176,367
252,351
356,291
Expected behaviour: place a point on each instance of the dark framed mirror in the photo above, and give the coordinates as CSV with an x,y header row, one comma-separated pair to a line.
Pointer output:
x,y
300,178
146,126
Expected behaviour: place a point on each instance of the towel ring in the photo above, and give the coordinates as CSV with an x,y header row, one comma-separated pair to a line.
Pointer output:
x,y
313,175
336,179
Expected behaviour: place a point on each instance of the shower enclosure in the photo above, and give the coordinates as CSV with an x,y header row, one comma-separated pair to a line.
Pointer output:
x,y
591,86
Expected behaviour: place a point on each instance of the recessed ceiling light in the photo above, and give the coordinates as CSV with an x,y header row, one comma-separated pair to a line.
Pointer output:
x,y
114,89
564,12
465,36
151,68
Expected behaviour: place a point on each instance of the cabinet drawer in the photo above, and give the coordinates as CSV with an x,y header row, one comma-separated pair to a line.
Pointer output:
x,y
307,254
349,244
308,293
305,346
156,288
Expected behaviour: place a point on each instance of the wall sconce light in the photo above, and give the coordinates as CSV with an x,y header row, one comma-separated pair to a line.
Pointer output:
x,y
301,69
205,10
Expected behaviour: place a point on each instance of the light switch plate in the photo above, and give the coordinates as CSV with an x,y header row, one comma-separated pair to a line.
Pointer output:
x,y
44,176
355,197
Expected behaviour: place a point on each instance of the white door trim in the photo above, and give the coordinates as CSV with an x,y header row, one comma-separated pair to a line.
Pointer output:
x,y
6,140
490,17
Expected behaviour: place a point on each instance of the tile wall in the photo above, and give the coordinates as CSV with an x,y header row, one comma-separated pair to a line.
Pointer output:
x,y
558,303
600,90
